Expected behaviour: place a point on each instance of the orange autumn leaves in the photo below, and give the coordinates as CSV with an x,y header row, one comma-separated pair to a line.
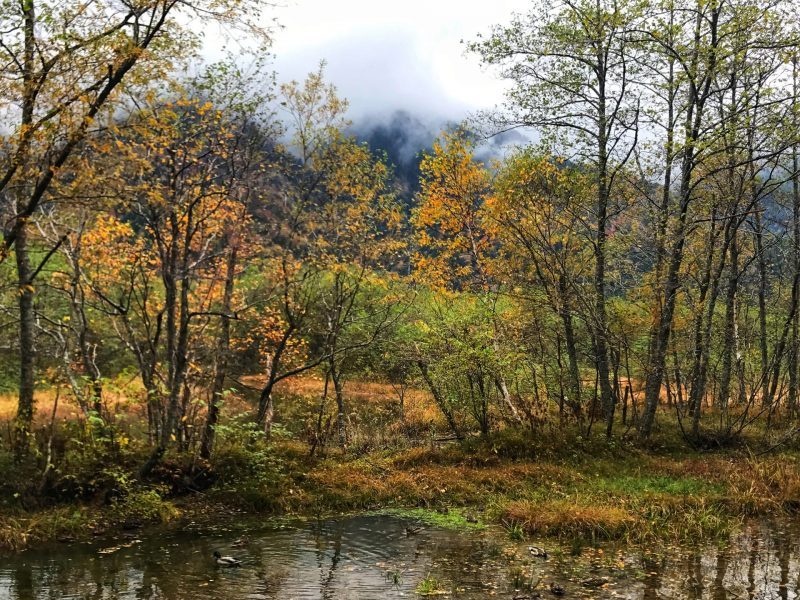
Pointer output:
x,y
112,252
166,164
264,333
450,219
357,224
472,223
168,171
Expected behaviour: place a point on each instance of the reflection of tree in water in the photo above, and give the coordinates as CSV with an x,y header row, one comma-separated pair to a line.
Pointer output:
x,y
463,562
322,539
751,567
696,579
73,574
101,575
653,567
759,563
154,580
783,561
370,548
327,583
23,582
271,574
797,582
720,593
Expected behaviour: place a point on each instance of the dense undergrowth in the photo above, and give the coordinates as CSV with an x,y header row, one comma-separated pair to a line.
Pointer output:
x,y
550,484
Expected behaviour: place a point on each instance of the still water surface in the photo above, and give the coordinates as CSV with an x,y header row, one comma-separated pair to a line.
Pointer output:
x,y
371,556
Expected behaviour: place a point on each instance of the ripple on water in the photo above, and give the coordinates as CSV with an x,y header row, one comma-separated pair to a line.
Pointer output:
x,y
370,556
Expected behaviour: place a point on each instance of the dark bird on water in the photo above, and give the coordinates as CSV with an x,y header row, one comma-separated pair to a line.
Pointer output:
x,y
226,561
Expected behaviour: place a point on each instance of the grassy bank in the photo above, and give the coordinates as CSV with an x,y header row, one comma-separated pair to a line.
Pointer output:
x,y
549,483
595,491
590,490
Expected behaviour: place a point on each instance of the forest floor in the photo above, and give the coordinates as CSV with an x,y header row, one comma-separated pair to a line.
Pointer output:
x,y
549,483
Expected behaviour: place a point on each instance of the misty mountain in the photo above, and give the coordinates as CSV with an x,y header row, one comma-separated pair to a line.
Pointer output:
x,y
404,137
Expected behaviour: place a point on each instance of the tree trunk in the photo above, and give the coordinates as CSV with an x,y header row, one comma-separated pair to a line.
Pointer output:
x,y
569,341
607,399
703,324
437,397
27,345
266,405
794,352
762,306
221,368
730,333
176,293
25,291
341,425
699,91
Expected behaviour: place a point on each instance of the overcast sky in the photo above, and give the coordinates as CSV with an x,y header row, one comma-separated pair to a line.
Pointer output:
x,y
386,55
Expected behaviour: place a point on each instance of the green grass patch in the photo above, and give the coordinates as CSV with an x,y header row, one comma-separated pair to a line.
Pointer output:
x,y
430,586
634,486
452,519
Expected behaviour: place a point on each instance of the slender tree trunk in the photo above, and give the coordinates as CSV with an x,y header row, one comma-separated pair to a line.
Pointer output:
x,y
25,291
730,330
678,378
223,348
27,344
78,305
319,437
666,189
266,414
780,347
89,363
179,383
177,334
439,399
663,330
704,324
569,341
698,94
762,306
266,403
336,378
502,387
794,352
607,398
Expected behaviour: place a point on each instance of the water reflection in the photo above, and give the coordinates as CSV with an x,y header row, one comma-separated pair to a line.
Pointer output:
x,y
367,557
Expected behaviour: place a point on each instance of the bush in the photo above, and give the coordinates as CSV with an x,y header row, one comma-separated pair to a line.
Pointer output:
x,y
249,471
140,507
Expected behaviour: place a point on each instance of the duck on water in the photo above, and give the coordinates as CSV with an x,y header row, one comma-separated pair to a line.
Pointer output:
x,y
226,561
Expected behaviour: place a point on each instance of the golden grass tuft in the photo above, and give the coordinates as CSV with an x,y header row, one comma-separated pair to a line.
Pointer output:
x,y
765,485
566,518
14,534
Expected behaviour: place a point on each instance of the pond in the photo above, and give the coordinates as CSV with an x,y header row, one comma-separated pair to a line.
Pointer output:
x,y
374,556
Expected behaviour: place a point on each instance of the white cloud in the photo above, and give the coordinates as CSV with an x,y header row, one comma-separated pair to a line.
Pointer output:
x,y
390,55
